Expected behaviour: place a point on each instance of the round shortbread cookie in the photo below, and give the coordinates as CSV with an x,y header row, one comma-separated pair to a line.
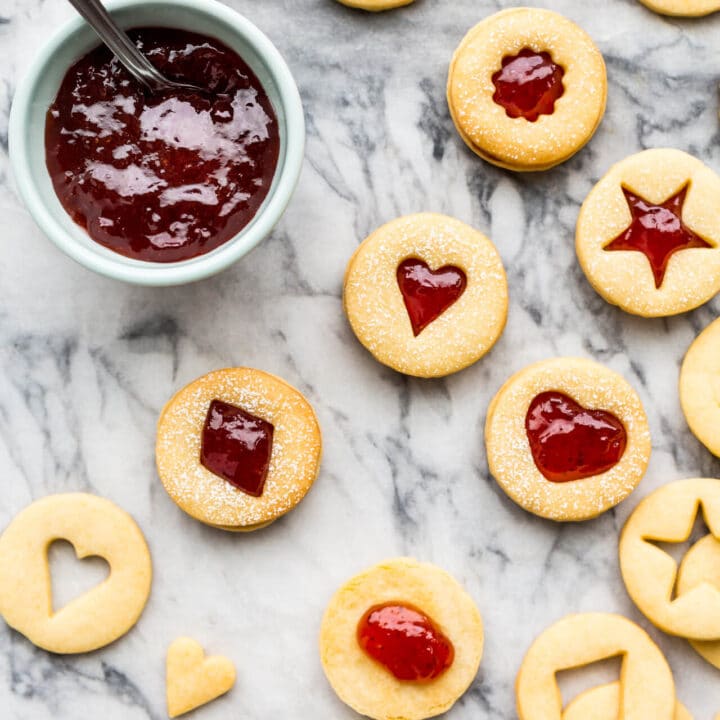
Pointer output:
x,y
511,462
368,687
683,8
375,304
517,143
626,278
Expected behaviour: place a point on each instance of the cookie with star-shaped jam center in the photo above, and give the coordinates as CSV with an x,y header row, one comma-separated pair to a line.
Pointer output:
x,y
648,234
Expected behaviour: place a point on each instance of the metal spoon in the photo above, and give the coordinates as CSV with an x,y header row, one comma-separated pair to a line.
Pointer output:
x,y
125,49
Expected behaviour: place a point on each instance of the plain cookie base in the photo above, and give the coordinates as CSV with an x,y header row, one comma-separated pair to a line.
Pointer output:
x,y
294,462
374,305
625,278
700,387
375,5
646,680
94,526
603,703
649,573
683,8
193,679
701,564
515,143
365,685
508,450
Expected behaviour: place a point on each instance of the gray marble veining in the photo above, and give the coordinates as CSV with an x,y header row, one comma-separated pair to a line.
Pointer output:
x,y
87,363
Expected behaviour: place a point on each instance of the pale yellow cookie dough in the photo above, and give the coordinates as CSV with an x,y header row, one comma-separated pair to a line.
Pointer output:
x,y
646,682
192,679
701,566
649,573
516,143
95,527
375,308
700,387
683,8
375,5
294,462
365,685
508,449
625,278
603,703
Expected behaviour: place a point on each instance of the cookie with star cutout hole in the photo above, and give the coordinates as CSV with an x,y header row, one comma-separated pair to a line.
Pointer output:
x,y
567,439
648,234
426,294
700,387
683,8
238,448
402,640
650,573
527,89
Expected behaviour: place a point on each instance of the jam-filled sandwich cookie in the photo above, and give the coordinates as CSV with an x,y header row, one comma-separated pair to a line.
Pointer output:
x,y
527,89
375,5
646,690
700,387
648,234
238,448
401,640
650,574
426,294
683,8
603,703
567,439
94,527
701,566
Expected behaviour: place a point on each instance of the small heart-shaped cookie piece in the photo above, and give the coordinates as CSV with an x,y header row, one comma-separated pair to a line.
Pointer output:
x,y
192,679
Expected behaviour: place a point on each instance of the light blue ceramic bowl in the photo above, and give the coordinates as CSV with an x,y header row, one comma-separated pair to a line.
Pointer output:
x,y
39,88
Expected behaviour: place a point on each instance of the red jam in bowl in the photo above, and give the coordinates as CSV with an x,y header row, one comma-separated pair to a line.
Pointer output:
x,y
528,84
237,447
406,641
569,442
169,176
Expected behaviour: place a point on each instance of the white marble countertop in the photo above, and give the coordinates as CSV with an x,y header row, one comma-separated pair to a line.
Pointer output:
x,y
87,363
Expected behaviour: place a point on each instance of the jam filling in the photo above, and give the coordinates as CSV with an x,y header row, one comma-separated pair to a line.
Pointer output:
x,y
237,446
405,641
658,231
528,84
428,293
166,176
569,442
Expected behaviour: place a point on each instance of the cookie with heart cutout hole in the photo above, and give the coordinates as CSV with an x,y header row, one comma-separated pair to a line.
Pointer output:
x,y
683,8
375,5
94,527
426,294
700,387
647,688
650,574
603,703
567,439
194,679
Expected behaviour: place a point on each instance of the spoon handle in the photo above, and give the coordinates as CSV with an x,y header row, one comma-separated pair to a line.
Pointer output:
x,y
121,45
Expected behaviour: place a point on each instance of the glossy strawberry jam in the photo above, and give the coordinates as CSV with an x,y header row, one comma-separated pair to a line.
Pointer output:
x,y
428,293
237,447
528,84
569,442
406,641
658,231
168,176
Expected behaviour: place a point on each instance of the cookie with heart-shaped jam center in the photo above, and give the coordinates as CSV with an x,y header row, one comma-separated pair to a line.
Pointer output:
x,y
426,295
567,439
569,442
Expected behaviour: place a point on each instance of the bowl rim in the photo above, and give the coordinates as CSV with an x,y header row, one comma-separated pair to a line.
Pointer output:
x,y
141,272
